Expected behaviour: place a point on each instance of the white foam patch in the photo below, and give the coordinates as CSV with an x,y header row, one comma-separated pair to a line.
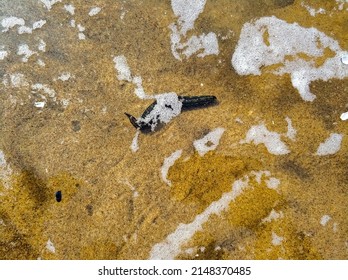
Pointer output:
x,y
341,4
291,133
331,145
81,36
94,11
39,104
121,65
49,3
25,52
272,183
41,63
65,76
259,134
344,116
209,142
81,28
171,246
134,146
42,45
259,174
271,41
10,22
139,90
28,30
273,215
187,12
276,240
167,107
206,42
5,171
324,220
39,24
169,162
73,23
25,30
344,59
45,89
15,80
312,11
50,246
124,74
3,54
70,8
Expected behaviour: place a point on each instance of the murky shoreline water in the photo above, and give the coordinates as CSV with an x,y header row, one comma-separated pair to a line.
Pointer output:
x,y
260,175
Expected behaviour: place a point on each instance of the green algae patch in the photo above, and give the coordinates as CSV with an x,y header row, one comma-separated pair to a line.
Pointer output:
x,y
25,208
202,180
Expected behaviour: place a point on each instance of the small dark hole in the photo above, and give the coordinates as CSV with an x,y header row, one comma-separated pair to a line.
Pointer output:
x,y
89,209
75,126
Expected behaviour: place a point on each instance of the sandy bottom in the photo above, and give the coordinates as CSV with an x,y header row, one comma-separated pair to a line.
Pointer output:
x,y
119,203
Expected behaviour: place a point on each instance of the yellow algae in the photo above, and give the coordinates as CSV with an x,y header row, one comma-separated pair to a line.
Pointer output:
x,y
25,208
253,205
328,53
23,211
106,222
274,239
65,183
202,180
280,240
265,36
203,248
244,217
101,250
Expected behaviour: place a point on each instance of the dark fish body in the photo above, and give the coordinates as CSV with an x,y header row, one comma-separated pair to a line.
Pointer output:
x,y
193,102
188,103
148,110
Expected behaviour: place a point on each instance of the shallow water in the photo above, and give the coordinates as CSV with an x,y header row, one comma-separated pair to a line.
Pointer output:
x,y
244,179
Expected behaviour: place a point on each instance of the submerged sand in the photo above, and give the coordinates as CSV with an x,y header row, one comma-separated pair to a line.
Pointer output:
x,y
63,128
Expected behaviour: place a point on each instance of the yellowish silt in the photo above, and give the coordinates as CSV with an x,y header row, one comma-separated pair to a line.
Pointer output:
x,y
202,180
101,250
246,228
253,205
279,239
24,209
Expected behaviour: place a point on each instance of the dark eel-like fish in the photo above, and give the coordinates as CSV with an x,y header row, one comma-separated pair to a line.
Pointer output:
x,y
188,102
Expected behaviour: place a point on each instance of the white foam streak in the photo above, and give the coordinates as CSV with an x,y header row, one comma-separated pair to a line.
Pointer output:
x,y
169,162
171,246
